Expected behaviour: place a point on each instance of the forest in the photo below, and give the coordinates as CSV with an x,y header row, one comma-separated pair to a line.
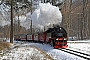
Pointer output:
x,y
75,17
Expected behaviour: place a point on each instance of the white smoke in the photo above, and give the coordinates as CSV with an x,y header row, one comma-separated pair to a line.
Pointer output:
x,y
46,14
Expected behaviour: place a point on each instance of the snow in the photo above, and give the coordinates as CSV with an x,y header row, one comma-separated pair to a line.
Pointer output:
x,y
25,50
57,54
83,46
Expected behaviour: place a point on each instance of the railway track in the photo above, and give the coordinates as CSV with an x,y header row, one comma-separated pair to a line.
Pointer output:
x,y
78,42
80,54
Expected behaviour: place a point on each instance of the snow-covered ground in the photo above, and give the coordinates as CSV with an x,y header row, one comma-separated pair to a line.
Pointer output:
x,y
59,55
26,51
82,45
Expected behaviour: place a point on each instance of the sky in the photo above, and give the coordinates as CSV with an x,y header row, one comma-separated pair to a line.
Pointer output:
x,y
44,15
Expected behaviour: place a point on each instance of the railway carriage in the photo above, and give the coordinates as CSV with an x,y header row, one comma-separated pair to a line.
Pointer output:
x,y
17,37
36,37
42,37
30,37
23,37
20,37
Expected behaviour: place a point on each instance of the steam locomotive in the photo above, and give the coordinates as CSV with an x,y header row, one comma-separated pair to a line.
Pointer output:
x,y
56,37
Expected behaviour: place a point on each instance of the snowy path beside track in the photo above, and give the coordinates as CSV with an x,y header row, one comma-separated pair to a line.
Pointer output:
x,y
24,52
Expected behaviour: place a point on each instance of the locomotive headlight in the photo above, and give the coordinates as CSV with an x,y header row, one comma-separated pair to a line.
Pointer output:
x,y
65,38
60,28
57,39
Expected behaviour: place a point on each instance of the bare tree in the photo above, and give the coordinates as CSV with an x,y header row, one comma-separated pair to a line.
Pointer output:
x,y
85,19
